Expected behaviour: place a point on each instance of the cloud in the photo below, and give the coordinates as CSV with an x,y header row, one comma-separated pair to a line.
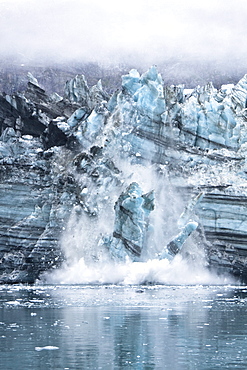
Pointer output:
x,y
129,30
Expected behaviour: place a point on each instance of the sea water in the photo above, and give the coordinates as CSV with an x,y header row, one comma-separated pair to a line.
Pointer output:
x,y
123,327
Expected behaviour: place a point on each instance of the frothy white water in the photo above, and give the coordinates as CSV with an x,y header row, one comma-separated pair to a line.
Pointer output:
x,y
154,271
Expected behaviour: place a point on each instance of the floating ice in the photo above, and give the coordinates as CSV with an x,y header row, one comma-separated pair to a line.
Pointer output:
x,y
46,348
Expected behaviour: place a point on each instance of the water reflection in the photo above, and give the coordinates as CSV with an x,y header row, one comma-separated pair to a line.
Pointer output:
x,y
123,327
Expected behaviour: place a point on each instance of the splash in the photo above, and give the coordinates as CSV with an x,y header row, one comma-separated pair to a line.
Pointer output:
x,y
177,272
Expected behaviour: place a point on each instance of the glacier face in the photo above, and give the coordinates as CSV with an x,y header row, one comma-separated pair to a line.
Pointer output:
x,y
123,168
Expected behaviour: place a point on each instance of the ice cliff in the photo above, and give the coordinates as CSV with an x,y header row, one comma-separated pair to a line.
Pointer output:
x,y
121,176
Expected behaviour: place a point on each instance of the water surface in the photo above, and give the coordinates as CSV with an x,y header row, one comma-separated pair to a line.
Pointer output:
x,y
123,327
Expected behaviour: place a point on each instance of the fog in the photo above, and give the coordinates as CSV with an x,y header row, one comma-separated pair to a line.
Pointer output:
x,y
109,31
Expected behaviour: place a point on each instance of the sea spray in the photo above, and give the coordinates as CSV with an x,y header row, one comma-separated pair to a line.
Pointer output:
x,y
154,271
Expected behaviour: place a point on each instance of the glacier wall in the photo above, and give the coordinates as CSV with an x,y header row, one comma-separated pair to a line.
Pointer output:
x,y
65,161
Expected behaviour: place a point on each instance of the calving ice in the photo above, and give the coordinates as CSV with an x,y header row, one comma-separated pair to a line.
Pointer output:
x,y
145,174
132,228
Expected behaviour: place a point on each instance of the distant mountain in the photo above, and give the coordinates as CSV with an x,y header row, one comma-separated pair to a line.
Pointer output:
x,y
13,75
52,77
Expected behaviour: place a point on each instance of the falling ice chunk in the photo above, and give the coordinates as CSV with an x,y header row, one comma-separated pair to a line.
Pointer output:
x,y
176,244
188,211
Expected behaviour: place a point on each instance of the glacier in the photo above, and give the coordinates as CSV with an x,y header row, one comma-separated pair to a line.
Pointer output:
x,y
149,172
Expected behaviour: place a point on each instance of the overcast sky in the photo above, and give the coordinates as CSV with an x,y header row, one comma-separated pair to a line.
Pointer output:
x,y
123,30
